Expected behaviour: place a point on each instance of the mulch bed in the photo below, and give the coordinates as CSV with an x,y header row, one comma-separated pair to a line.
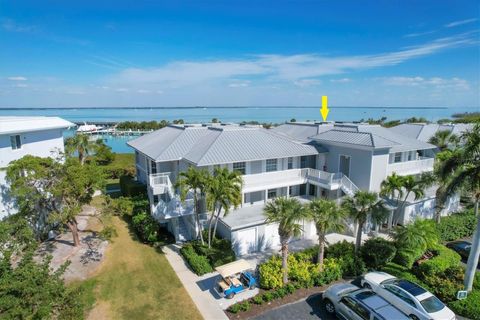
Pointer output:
x,y
298,295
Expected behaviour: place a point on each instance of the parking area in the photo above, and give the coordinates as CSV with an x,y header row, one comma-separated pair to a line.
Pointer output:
x,y
310,308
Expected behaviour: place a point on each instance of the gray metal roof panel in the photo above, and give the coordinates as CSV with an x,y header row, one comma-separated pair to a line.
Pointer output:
x,y
365,139
226,145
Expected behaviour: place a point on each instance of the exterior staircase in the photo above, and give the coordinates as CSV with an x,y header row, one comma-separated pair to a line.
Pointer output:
x,y
347,186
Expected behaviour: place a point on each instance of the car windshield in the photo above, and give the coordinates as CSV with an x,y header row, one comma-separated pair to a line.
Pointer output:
x,y
432,304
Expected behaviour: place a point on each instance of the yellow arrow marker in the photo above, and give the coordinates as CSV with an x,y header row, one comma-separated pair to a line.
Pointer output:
x,y
324,110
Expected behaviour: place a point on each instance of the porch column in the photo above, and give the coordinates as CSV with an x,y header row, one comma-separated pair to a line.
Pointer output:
x,y
266,196
390,220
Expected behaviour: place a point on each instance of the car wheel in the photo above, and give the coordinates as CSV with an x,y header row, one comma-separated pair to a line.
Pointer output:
x,y
329,307
367,285
413,317
230,295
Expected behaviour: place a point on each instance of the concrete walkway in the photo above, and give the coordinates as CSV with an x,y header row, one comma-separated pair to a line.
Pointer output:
x,y
207,300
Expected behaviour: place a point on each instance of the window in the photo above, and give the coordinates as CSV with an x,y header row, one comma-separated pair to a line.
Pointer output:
x,y
290,163
16,142
240,167
154,166
290,190
271,165
272,193
303,162
398,157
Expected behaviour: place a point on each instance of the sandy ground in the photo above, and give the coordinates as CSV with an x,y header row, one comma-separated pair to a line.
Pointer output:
x,y
86,258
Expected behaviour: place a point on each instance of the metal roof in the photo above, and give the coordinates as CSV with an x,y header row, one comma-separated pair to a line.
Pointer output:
x,y
424,131
365,139
207,145
169,143
14,124
234,144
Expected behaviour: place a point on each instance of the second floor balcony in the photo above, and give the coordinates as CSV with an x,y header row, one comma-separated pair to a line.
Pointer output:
x,y
424,164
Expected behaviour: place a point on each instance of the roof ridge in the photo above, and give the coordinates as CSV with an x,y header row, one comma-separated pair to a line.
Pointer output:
x,y
284,137
218,132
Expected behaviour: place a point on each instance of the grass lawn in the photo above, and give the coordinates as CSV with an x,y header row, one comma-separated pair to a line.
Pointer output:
x,y
136,282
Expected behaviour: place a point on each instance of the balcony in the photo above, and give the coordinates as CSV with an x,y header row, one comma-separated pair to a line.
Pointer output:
x,y
291,177
160,183
411,167
174,208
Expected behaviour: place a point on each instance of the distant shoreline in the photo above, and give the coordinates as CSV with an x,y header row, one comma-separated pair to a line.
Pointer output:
x,y
219,107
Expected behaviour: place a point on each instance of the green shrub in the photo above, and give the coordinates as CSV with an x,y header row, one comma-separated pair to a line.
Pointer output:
x,y
271,273
344,252
219,254
267,296
444,259
332,271
290,288
146,227
469,308
234,308
244,306
300,269
199,264
406,258
258,299
456,226
377,252
445,284
132,188
402,272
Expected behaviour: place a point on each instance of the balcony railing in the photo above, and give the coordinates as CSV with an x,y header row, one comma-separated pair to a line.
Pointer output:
x,y
411,167
160,183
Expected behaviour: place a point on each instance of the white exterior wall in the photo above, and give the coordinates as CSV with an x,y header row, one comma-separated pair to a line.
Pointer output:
x,y
426,209
379,169
43,144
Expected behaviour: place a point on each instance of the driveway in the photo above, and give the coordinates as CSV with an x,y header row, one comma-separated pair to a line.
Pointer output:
x,y
310,308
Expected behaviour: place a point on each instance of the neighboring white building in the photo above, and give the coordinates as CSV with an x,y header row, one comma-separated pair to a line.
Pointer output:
x,y
20,136
301,160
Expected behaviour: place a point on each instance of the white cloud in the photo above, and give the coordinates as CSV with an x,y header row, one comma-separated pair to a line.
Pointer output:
x,y
143,91
17,78
459,23
239,84
300,69
419,34
121,90
342,80
436,82
306,82
12,26
21,85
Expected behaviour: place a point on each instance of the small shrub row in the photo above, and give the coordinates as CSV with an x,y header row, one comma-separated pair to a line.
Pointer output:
x,y
469,307
266,297
241,306
301,270
219,254
350,264
199,264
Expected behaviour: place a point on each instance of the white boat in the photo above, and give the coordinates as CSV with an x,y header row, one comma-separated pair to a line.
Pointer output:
x,y
88,128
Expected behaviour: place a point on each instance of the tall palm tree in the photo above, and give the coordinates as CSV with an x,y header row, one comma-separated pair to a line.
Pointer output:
x,y
461,170
81,144
410,184
196,181
288,213
444,139
392,187
224,190
327,216
360,207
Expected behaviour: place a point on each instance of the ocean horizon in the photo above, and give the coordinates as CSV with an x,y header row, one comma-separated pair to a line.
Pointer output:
x,y
275,114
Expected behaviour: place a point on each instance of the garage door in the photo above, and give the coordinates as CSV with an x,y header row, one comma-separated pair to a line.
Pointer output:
x,y
272,239
247,241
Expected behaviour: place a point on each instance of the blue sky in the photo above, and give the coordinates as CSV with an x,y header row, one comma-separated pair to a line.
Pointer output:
x,y
187,53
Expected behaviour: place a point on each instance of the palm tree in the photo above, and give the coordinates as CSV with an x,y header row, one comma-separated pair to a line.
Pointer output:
x,y
327,216
360,207
288,213
417,236
224,190
461,170
196,181
410,184
81,144
392,187
443,139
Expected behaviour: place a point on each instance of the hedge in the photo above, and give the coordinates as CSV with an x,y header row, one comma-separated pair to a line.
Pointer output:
x,y
344,251
457,226
469,307
131,188
444,258
199,264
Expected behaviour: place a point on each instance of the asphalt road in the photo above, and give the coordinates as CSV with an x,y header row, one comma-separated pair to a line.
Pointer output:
x,y
311,308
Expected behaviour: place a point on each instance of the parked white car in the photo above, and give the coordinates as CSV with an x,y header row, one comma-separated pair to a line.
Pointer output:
x,y
409,297
352,303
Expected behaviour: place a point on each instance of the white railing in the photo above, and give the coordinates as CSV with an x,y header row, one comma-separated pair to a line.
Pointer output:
x,y
322,177
160,183
411,167
173,208
348,186
269,180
